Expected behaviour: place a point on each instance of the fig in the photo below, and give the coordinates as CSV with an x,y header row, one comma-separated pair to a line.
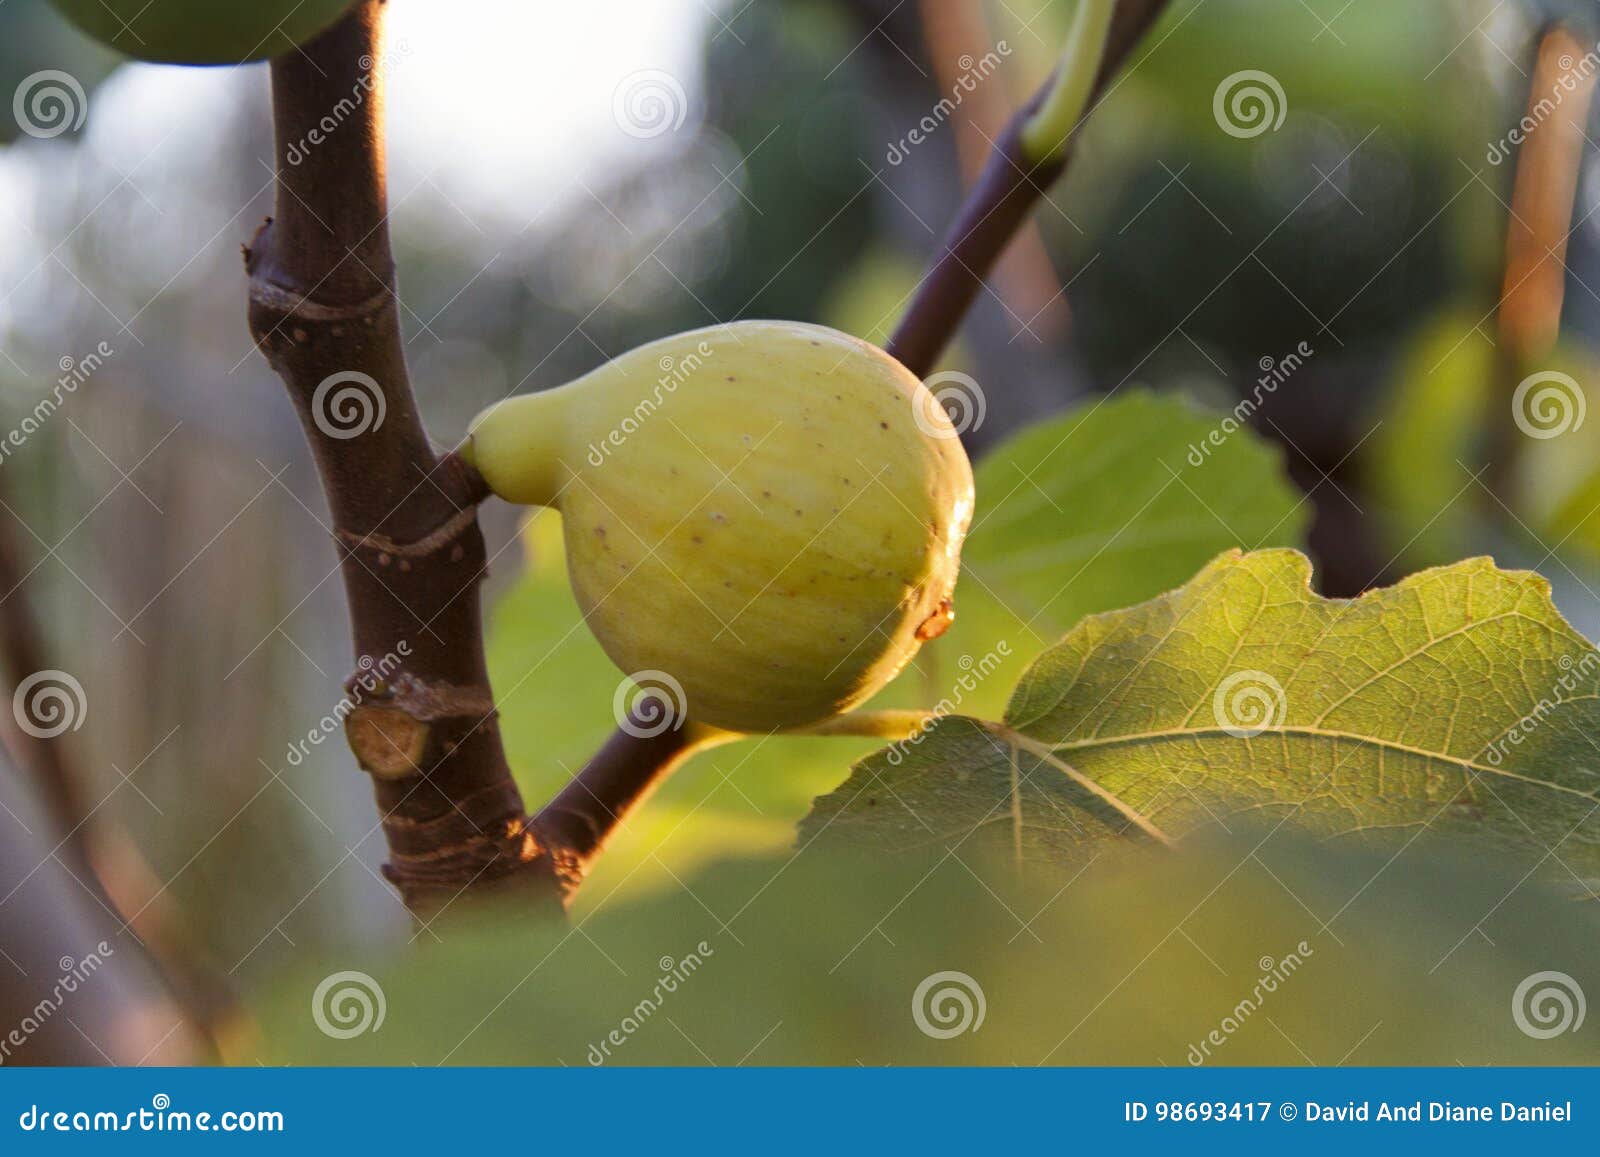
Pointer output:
x,y
202,31
769,512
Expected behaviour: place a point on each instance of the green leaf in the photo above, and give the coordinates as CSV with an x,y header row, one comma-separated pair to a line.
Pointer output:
x,y
1093,510
819,958
1447,400
1098,509
1457,703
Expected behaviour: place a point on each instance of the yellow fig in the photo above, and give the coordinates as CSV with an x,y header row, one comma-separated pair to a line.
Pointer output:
x,y
770,513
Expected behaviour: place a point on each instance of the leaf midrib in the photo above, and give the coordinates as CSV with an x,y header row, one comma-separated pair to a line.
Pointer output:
x,y
1311,732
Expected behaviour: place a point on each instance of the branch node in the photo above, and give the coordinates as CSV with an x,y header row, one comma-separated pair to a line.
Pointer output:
x,y
389,549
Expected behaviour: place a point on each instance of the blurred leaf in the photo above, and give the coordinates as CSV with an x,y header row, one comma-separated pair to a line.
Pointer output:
x,y
1456,704
1259,949
1075,516
37,44
1442,413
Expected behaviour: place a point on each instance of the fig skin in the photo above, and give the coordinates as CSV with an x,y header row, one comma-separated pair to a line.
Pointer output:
x,y
201,31
768,511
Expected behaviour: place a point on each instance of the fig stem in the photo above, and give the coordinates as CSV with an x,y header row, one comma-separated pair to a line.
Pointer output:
x,y
1061,111
888,724
997,205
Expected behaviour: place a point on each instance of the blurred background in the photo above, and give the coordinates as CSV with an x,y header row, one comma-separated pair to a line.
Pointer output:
x,y
569,180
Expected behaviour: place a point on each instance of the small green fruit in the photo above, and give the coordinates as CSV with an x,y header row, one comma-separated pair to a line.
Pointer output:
x,y
771,513
202,31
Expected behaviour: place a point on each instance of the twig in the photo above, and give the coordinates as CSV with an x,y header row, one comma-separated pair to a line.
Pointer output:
x,y
998,204
1539,224
323,311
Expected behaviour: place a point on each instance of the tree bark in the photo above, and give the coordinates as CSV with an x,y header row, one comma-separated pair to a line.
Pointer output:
x,y
324,312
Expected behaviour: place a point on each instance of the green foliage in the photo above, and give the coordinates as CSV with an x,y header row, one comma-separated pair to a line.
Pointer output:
x,y
1290,953
1075,516
1448,401
1455,705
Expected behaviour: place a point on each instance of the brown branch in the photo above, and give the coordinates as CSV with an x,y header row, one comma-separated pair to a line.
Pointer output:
x,y
610,787
1539,224
996,208
323,310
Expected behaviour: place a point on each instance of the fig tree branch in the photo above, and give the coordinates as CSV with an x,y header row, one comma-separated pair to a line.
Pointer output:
x,y
1010,185
323,311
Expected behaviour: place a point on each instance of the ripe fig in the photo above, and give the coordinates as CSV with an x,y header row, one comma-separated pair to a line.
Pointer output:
x,y
202,31
771,513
